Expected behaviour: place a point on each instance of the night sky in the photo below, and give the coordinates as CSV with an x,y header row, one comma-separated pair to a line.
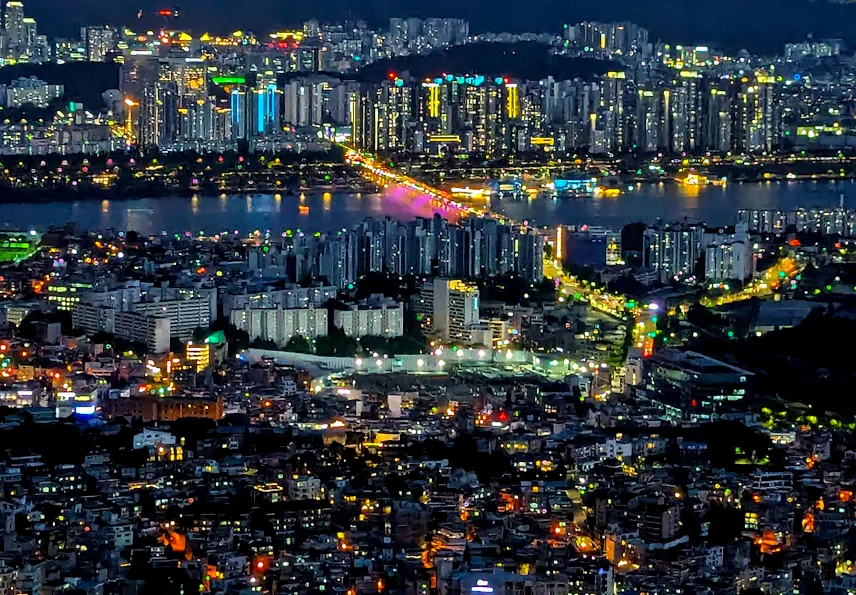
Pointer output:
x,y
758,25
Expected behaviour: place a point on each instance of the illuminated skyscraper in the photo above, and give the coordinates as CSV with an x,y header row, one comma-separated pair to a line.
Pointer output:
x,y
99,42
718,114
728,254
266,109
394,252
761,127
174,102
419,247
362,133
14,27
159,115
675,120
572,116
190,76
338,259
69,50
239,104
674,250
370,246
682,114
29,37
612,111
455,309
646,132
442,261
482,117
381,116
692,83
529,250
41,51
337,101
303,102
217,122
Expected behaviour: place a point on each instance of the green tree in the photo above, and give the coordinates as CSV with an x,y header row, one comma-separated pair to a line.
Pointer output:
x,y
299,344
264,344
372,344
336,344
200,333
237,339
406,345
701,317
627,285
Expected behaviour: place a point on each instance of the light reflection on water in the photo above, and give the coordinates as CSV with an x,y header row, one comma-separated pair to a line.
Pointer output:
x,y
715,205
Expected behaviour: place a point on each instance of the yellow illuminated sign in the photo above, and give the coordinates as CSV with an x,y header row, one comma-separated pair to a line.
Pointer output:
x,y
444,138
434,101
512,101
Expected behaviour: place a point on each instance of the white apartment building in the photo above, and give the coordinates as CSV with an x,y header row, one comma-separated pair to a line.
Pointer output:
x,y
288,298
186,307
728,260
92,318
279,325
382,320
185,315
728,254
152,331
122,299
30,91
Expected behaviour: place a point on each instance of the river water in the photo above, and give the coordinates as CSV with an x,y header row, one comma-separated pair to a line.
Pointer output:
x,y
245,213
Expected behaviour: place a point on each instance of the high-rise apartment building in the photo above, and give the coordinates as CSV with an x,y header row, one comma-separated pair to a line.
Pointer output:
x,y
376,318
672,249
14,26
99,42
728,254
153,331
281,324
455,309
529,248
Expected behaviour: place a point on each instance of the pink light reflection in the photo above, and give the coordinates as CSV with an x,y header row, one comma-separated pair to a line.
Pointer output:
x,y
417,204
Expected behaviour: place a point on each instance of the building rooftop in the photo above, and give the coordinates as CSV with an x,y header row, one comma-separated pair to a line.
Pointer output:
x,y
693,361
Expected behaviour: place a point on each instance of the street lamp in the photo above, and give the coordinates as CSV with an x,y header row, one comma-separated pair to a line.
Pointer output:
x,y
129,122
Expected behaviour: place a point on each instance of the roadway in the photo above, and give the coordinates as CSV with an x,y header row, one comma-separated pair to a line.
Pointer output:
x,y
597,297
772,280
382,175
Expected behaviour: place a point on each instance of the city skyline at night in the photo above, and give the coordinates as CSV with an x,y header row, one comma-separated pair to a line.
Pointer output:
x,y
427,298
